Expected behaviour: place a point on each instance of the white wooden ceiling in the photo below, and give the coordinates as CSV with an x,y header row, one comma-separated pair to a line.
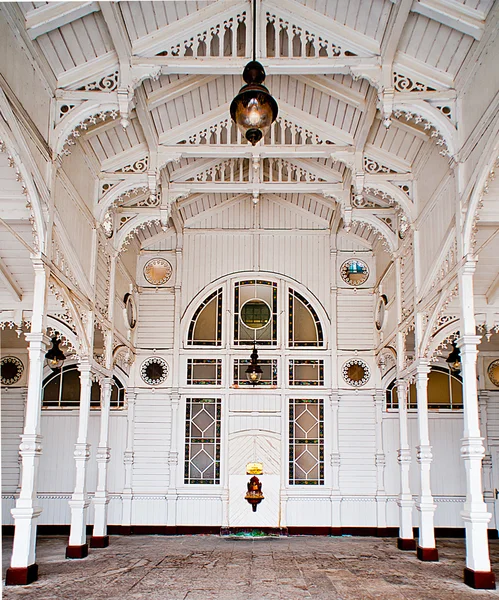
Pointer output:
x,y
175,66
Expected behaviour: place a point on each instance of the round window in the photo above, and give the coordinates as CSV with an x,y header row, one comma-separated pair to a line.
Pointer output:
x,y
11,369
158,271
356,372
381,312
154,370
131,312
493,372
255,313
354,272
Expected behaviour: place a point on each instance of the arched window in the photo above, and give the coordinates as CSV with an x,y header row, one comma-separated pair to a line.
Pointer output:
x,y
305,328
445,391
61,389
205,329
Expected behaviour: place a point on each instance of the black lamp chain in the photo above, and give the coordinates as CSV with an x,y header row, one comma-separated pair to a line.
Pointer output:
x,y
254,29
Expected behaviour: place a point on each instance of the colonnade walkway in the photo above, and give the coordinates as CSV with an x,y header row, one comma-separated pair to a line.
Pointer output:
x,y
209,567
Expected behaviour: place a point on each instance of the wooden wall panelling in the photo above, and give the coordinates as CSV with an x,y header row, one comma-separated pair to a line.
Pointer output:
x,y
12,406
156,318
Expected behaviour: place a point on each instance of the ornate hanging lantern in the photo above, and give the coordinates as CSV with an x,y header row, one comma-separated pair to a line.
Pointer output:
x,y
254,109
254,370
454,359
55,357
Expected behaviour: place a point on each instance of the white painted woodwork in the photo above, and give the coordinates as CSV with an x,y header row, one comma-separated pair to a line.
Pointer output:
x,y
194,206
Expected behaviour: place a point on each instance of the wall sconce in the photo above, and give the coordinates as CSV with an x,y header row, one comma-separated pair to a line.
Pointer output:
x,y
254,494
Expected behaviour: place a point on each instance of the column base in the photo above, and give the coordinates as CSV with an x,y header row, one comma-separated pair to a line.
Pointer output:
x,y
99,541
77,551
21,575
427,554
406,544
480,580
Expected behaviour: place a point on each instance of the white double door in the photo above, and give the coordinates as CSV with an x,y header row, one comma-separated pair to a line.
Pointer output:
x,y
254,437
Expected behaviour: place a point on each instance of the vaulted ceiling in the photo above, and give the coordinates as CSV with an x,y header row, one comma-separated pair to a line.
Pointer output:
x,y
144,89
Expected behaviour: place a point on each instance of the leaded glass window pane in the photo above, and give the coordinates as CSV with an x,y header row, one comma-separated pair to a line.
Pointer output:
x,y
204,371
306,372
306,442
305,329
269,375
202,440
205,328
255,312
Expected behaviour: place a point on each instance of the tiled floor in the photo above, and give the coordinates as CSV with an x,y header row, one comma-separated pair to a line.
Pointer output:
x,y
208,567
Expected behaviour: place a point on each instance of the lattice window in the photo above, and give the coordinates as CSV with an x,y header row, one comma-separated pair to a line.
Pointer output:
x,y
306,372
61,389
445,392
306,442
255,312
202,440
204,371
205,328
269,375
305,328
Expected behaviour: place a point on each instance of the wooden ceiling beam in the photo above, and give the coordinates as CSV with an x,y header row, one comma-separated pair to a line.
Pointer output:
x,y
454,14
342,65
9,282
333,88
176,89
56,14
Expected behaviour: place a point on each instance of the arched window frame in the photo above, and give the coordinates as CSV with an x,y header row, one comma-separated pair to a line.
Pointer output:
x,y
189,341
412,406
319,329
116,404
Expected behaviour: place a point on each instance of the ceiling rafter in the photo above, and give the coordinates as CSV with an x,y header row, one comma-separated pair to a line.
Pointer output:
x,y
298,209
117,29
335,89
56,14
331,29
454,14
341,65
9,281
89,71
367,120
157,40
318,126
177,89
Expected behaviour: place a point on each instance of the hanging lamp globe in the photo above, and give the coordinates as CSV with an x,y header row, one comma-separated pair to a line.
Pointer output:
x,y
454,359
55,356
254,371
253,109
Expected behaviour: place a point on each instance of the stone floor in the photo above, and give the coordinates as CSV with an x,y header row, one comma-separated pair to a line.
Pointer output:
x,y
207,567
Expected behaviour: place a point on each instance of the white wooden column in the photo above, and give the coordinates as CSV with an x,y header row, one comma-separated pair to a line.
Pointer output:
x,y
488,486
380,461
77,546
477,573
23,568
335,466
99,538
173,461
405,502
426,547
127,495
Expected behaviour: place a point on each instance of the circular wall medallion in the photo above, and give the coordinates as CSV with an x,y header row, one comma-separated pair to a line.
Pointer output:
x,y
381,312
158,271
354,272
356,372
131,311
493,372
255,314
11,369
154,370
